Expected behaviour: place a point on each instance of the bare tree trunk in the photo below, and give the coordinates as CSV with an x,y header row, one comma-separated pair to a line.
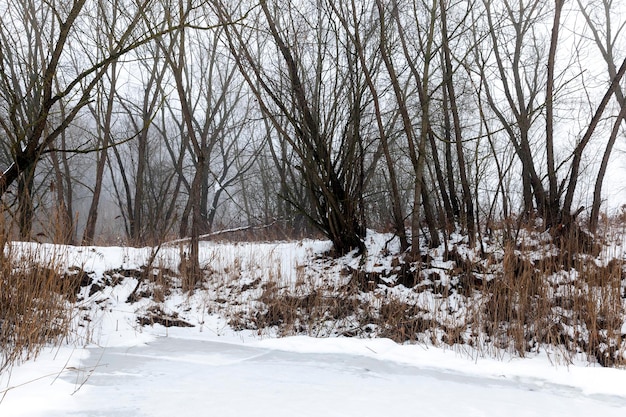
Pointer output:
x,y
448,211
605,39
418,156
62,187
553,203
25,207
193,271
468,204
597,189
454,201
521,103
104,129
578,151
430,217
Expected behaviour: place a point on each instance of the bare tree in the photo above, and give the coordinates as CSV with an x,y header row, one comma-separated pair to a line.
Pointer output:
x,y
605,38
448,75
520,84
351,19
32,90
330,150
147,118
102,110
416,140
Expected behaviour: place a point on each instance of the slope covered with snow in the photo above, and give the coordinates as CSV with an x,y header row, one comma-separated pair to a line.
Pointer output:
x,y
120,359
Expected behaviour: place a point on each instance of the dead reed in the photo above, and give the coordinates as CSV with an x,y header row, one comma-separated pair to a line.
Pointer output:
x,y
35,308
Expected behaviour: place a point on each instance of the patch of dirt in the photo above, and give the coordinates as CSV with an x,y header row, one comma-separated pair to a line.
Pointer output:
x,y
155,315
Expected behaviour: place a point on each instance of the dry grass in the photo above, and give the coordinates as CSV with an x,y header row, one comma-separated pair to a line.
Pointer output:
x,y
34,304
556,295
541,292
310,308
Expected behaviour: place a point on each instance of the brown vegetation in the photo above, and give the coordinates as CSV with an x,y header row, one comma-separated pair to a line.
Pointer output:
x,y
35,304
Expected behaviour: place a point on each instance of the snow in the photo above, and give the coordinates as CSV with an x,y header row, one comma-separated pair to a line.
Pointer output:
x,y
302,376
114,367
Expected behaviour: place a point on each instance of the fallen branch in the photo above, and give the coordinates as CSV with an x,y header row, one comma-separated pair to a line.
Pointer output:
x,y
221,232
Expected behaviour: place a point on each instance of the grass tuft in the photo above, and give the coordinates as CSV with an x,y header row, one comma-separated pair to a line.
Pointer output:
x,y
35,308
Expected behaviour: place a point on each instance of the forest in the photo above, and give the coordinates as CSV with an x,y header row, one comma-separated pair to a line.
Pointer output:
x,y
137,121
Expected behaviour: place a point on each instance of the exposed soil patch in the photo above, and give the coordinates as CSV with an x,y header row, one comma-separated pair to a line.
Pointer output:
x,y
155,315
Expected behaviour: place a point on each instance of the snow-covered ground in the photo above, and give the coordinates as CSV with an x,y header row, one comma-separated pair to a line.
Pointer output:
x,y
114,366
301,376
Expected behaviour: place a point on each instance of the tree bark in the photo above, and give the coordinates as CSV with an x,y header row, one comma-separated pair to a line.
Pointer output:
x,y
449,84
553,203
105,131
